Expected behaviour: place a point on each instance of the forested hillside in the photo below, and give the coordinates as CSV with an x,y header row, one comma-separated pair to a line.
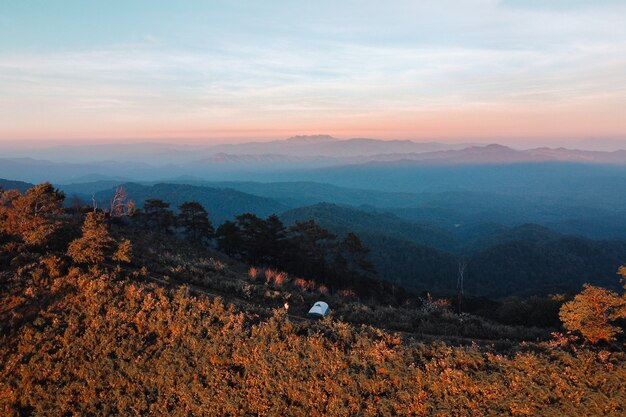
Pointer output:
x,y
523,260
110,313
343,219
222,203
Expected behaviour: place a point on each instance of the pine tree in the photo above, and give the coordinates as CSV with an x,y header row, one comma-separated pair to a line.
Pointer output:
x,y
124,252
33,217
308,248
158,214
229,239
195,221
93,245
274,235
351,261
252,245
355,253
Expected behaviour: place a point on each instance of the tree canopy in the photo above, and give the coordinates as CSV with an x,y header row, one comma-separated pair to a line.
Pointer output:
x,y
33,216
93,246
593,313
194,220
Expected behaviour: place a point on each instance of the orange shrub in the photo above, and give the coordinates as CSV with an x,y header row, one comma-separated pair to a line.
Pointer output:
x,y
269,275
281,278
346,294
253,272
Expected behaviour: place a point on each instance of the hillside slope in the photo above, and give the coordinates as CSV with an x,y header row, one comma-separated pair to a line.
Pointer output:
x,y
14,185
102,342
101,316
221,203
343,219
517,261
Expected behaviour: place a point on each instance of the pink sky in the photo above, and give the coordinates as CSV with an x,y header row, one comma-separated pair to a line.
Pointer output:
x,y
513,71
535,125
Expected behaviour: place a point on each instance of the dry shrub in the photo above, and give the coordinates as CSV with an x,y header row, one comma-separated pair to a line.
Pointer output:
x,y
323,289
269,275
439,305
281,278
442,303
155,345
253,272
305,285
561,341
300,283
346,294
217,265
54,264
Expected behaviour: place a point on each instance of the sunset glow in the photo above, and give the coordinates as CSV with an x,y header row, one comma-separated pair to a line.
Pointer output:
x,y
479,70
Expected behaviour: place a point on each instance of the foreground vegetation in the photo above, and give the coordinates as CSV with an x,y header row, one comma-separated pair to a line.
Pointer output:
x,y
97,342
92,324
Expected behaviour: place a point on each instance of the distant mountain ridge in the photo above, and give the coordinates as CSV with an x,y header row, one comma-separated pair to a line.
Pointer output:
x,y
296,146
500,154
328,146
308,139
244,161
14,185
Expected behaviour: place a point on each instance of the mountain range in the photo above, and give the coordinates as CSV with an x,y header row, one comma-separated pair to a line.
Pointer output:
x,y
151,161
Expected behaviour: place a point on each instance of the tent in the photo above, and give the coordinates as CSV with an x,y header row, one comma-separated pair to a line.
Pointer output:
x,y
319,309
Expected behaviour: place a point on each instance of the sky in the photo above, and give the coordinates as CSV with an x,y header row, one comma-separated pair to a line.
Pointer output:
x,y
514,71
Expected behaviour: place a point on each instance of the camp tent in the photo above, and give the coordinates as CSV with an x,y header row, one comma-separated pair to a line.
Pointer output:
x,y
319,309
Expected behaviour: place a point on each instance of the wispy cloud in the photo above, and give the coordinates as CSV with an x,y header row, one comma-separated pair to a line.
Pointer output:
x,y
430,57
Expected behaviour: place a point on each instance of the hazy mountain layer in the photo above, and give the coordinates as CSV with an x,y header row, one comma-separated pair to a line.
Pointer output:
x,y
271,161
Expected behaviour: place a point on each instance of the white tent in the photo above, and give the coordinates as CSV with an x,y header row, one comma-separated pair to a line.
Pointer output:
x,y
319,309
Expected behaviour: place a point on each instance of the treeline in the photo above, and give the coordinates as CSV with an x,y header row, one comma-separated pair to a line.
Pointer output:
x,y
191,221
304,249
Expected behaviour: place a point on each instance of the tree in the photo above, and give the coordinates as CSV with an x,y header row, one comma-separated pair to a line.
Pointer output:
x,y
6,210
158,215
229,239
274,234
76,204
93,245
195,220
592,311
308,248
124,252
351,260
120,204
33,217
355,253
252,245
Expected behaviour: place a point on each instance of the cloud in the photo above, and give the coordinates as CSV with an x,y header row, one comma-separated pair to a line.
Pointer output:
x,y
410,58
